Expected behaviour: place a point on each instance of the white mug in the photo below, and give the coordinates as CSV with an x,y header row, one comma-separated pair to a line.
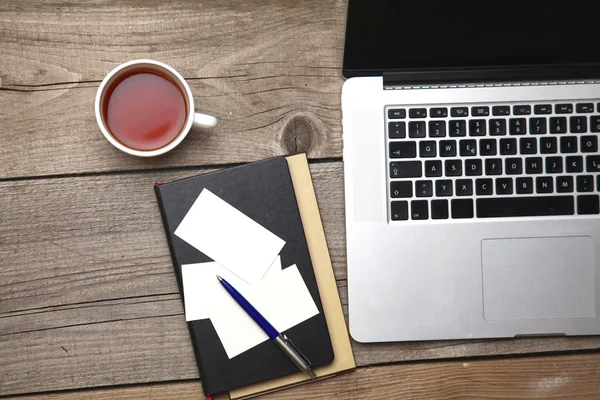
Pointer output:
x,y
193,118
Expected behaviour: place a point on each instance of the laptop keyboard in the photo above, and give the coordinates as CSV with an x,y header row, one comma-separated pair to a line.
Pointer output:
x,y
493,161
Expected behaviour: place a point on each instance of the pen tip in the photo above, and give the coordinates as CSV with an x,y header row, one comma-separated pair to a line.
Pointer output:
x,y
219,278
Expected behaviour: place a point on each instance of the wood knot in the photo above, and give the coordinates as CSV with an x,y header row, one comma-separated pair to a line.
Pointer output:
x,y
299,134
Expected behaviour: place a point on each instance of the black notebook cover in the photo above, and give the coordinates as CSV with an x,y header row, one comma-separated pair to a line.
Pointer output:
x,y
264,192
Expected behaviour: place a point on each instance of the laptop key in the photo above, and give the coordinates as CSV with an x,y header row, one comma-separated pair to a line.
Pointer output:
x,y
493,166
513,166
497,127
484,187
464,187
437,128
397,130
419,209
528,145
401,189
443,188
427,148
504,186
494,207
522,110
592,164
537,126
508,147
416,129
584,183
574,164
477,127
405,169
399,210
554,165
468,148
533,165
589,144
473,167
568,144
397,113
459,111
487,147
447,148
544,184
548,145
588,205
440,112
518,126
595,123
524,185
583,108
453,167
423,188
563,108
501,110
462,208
418,113
564,184
480,111
433,168
542,109
457,128
578,124
558,125
403,149
439,209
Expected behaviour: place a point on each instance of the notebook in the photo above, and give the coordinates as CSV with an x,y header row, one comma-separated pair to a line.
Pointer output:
x,y
264,192
319,254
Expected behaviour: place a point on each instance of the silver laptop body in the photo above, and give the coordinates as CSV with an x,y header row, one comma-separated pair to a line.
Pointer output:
x,y
471,204
459,278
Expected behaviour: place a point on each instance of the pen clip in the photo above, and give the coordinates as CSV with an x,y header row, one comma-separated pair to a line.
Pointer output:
x,y
296,349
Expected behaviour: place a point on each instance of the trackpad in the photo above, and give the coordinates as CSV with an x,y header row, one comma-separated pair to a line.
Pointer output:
x,y
538,278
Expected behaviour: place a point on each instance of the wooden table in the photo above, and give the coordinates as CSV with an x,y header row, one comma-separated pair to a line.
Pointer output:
x,y
88,299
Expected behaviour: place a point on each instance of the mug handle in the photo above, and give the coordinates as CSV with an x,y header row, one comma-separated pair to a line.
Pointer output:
x,y
207,121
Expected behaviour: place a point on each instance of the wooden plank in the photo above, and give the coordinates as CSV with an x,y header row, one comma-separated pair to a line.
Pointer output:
x,y
146,340
119,351
88,296
550,377
104,234
52,132
46,42
270,72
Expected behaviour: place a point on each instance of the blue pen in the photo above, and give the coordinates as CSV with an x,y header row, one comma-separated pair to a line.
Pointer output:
x,y
285,344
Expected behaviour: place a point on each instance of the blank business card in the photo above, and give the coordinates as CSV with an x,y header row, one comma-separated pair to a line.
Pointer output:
x,y
229,237
193,275
282,298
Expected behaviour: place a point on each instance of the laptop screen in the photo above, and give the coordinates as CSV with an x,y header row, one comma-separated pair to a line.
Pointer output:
x,y
394,35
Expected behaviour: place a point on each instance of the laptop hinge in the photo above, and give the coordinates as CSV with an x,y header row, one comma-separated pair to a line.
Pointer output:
x,y
412,77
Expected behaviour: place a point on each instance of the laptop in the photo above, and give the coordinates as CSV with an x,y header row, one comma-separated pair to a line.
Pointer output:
x,y
472,169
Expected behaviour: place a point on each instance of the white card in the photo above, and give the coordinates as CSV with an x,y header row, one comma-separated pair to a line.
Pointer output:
x,y
193,275
229,237
283,299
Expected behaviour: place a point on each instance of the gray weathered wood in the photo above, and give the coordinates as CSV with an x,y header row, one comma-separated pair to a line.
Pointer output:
x,y
88,296
87,293
270,73
95,238
548,377
47,42
53,132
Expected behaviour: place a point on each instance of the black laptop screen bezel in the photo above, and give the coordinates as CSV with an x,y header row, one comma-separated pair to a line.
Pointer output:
x,y
365,52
